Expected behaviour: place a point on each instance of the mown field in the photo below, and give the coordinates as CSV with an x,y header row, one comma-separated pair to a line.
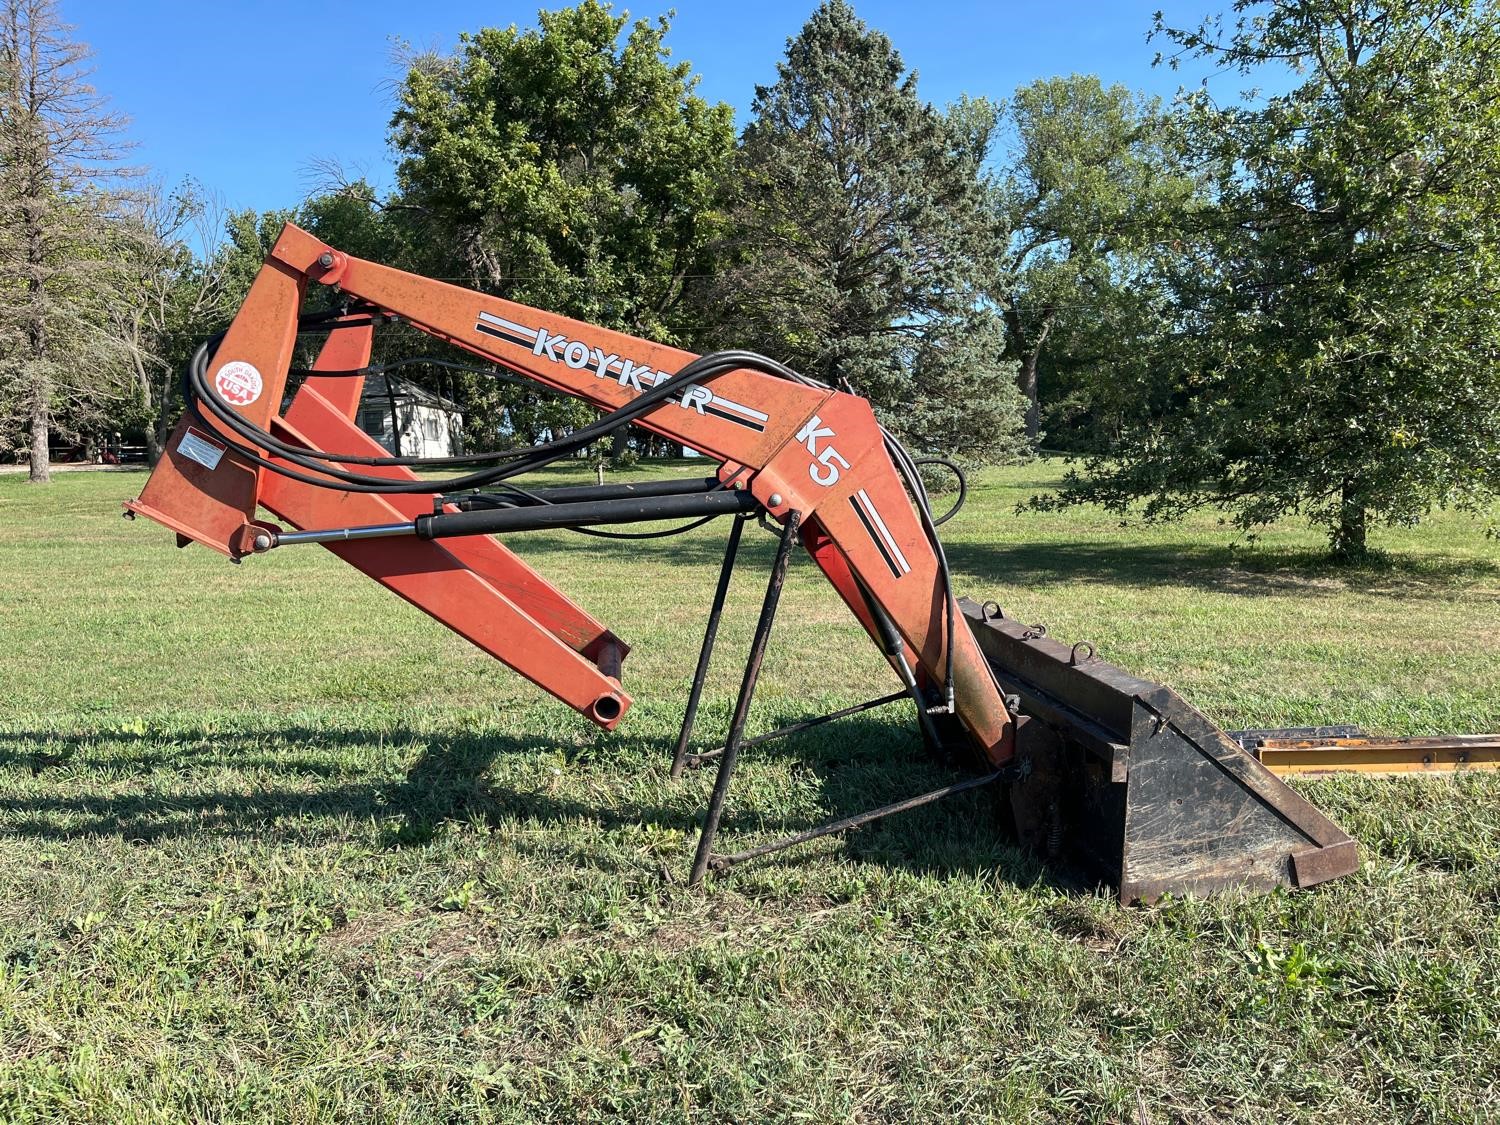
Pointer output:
x,y
275,846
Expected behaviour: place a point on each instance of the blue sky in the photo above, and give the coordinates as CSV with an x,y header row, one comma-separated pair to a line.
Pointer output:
x,y
245,97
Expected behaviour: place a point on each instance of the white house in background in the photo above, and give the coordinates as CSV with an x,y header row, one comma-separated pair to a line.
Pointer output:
x,y
427,425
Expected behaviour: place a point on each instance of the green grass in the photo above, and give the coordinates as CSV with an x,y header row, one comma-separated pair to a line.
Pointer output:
x,y
275,846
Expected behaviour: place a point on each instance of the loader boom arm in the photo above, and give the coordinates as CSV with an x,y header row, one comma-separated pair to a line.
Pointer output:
x,y
1146,787
811,451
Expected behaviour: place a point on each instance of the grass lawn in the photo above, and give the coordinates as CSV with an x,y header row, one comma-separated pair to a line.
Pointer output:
x,y
273,845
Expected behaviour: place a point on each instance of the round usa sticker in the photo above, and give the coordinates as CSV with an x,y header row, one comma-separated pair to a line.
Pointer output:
x,y
238,383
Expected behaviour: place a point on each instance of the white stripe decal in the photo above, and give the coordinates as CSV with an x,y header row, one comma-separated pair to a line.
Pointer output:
x,y
559,349
518,329
738,409
885,532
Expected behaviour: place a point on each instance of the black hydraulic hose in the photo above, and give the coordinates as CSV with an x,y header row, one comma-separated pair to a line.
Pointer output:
x,y
196,389
665,533
512,463
958,475
701,370
569,494
907,469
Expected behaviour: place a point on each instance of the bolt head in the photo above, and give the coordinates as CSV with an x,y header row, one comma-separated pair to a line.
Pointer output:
x,y
262,542
774,500
326,260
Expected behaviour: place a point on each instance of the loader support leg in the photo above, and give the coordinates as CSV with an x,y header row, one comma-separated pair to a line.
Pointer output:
x,y
690,715
742,705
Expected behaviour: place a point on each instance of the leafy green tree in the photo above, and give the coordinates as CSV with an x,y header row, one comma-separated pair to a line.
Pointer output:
x,y
248,238
1091,178
351,217
570,166
60,171
1102,350
861,245
1336,327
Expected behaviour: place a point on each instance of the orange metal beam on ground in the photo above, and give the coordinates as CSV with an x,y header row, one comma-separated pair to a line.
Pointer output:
x,y
1379,757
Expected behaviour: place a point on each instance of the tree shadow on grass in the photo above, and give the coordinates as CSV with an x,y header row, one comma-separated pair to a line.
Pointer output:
x,y
859,763
1224,570
177,748
445,779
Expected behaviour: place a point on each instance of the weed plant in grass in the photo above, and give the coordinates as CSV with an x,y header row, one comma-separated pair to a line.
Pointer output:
x,y
275,846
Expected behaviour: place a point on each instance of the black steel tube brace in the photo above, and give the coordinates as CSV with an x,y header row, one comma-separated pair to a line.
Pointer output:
x,y
844,824
572,494
705,654
747,693
636,509
536,517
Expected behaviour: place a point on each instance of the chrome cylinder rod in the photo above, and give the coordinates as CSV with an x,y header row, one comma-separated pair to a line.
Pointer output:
x,y
340,534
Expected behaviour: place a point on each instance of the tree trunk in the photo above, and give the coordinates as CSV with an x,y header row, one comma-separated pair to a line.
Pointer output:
x,y
1029,355
37,345
390,394
41,427
159,428
1348,537
41,379
1027,382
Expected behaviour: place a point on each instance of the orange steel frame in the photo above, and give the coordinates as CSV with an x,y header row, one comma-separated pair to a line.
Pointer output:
x,y
815,452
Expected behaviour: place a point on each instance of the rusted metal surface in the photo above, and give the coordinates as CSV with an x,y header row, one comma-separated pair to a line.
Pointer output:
x,y
1379,757
1254,736
1140,785
1160,798
1318,865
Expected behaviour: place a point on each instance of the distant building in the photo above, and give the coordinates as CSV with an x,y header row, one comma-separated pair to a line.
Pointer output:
x,y
427,425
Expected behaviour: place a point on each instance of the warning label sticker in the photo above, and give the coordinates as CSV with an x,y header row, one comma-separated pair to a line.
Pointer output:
x,y
198,446
238,383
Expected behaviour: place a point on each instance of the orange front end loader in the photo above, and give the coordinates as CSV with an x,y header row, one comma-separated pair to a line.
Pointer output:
x,y
1153,795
